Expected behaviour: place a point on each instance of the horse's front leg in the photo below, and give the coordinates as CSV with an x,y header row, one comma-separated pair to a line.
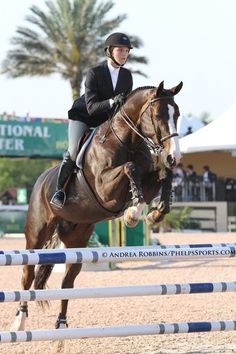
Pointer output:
x,y
111,183
133,213
156,215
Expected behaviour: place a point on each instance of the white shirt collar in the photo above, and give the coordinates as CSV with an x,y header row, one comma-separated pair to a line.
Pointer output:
x,y
113,69
114,72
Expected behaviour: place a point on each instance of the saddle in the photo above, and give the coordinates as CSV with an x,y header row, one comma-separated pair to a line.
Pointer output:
x,y
83,145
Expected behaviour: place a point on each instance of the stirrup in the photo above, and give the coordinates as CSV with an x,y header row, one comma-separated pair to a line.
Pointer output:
x,y
58,199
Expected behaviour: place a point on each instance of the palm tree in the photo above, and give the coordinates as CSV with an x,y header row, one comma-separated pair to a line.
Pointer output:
x,y
67,39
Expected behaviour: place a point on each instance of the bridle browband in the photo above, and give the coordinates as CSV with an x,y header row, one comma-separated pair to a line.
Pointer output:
x,y
157,149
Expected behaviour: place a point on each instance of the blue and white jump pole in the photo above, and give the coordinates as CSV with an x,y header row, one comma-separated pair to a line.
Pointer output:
x,y
120,291
116,331
114,254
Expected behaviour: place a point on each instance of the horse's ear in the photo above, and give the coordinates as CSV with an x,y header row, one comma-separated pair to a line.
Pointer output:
x,y
177,88
160,88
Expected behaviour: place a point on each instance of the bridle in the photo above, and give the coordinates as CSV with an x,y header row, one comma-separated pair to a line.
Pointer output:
x,y
155,148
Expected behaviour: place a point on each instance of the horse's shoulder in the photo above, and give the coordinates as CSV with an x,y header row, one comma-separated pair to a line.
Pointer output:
x,y
50,172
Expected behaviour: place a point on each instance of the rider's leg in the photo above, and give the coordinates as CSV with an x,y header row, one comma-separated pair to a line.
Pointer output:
x,y
75,131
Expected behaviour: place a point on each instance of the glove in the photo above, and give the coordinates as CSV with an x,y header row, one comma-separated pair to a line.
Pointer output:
x,y
118,100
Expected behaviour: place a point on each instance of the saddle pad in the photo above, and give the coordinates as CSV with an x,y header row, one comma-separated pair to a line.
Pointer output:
x,y
79,159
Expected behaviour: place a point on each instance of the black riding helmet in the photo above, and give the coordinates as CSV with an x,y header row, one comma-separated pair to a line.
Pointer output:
x,y
116,39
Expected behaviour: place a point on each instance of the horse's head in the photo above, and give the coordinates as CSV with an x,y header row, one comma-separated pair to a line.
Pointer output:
x,y
156,115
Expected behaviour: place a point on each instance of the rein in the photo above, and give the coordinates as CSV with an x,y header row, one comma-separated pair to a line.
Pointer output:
x,y
157,149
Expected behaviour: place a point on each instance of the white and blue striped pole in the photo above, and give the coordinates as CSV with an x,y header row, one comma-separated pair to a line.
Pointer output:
x,y
195,245
116,331
198,245
120,291
113,254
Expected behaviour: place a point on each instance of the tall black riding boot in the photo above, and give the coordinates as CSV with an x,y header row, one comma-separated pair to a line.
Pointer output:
x,y
66,168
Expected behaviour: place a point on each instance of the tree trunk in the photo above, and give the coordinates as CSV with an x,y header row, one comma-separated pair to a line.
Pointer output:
x,y
75,84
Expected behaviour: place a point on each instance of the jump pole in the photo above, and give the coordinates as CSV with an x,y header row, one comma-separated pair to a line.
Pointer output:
x,y
121,291
113,254
151,247
116,331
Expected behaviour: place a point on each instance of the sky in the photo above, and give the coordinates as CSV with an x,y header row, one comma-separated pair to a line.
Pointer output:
x,y
184,40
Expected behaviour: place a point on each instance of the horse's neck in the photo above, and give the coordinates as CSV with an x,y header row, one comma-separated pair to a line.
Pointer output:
x,y
124,126
129,114
134,106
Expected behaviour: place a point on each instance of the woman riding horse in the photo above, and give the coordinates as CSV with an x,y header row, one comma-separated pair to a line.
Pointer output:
x,y
128,162
106,86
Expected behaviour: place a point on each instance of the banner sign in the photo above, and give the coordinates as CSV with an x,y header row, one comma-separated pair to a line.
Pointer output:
x,y
35,138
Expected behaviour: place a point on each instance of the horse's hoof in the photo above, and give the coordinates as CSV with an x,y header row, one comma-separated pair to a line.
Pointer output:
x,y
61,322
149,220
62,326
129,221
154,217
18,324
20,319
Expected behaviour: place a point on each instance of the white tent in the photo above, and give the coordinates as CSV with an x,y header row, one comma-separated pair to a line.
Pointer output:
x,y
186,122
217,135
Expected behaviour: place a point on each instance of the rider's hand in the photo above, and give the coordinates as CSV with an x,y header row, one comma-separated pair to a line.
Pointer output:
x,y
118,100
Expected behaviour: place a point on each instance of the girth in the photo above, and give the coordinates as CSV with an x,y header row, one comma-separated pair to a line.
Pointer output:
x,y
87,189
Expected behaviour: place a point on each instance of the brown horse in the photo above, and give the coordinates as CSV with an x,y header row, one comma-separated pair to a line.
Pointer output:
x,y
127,163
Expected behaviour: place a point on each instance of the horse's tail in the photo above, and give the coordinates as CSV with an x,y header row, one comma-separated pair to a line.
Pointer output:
x,y
44,271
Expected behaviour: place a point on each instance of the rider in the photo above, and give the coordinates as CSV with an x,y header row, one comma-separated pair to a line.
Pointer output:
x,y
106,86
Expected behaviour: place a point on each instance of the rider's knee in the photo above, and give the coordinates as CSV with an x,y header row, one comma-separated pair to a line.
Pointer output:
x,y
73,153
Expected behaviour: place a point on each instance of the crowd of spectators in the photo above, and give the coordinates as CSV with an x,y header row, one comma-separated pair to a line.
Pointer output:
x,y
188,186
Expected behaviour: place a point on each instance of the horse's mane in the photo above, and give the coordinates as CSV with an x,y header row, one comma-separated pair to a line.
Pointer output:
x,y
140,89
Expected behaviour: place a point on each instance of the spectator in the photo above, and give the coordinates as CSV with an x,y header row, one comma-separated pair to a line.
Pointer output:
x,y
189,131
208,178
230,190
178,182
190,173
208,175
191,179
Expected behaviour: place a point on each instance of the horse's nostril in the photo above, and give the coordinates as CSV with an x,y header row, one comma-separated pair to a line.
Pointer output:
x,y
174,163
171,161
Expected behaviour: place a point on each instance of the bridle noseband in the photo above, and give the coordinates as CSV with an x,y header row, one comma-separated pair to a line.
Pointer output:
x,y
157,149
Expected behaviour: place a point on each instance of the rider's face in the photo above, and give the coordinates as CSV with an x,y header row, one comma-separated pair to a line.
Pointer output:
x,y
120,54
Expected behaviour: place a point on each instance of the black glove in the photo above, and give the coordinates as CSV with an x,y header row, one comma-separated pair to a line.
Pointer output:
x,y
119,99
